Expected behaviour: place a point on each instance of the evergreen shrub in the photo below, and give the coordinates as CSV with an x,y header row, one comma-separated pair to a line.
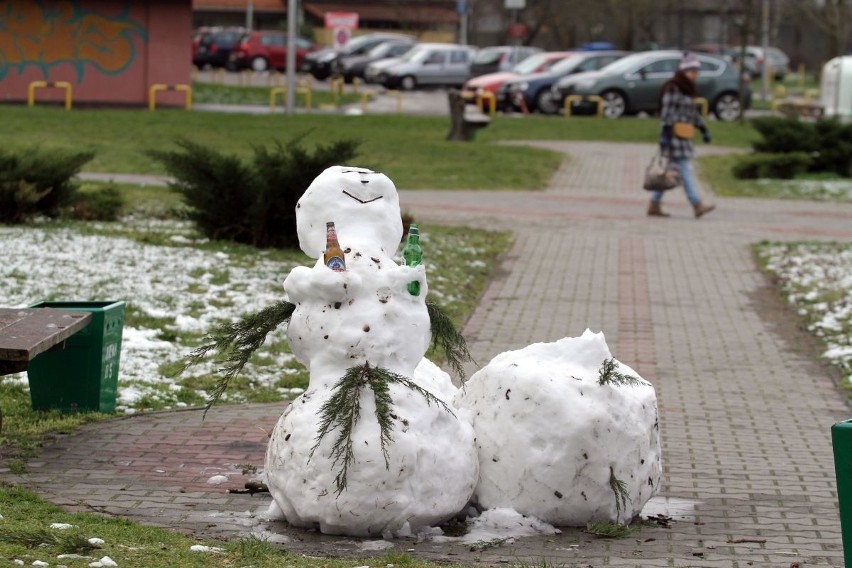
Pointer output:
x,y
100,205
835,148
37,182
784,135
828,142
776,166
254,202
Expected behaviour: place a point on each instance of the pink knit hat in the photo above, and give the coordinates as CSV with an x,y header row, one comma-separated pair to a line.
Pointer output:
x,y
689,62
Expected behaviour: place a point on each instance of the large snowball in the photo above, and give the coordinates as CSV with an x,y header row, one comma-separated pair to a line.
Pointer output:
x,y
363,204
552,441
430,475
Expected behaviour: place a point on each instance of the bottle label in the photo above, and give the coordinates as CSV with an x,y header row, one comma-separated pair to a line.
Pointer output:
x,y
336,263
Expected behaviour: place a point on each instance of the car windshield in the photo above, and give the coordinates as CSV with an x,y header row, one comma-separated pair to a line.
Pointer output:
x,y
565,65
629,63
487,56
776,55
533,62
415,54
381,50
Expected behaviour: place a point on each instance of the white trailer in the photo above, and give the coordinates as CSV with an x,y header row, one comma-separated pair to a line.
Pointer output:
x,y
836,89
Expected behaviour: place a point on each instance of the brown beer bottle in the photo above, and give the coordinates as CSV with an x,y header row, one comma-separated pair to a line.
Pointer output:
x,y
333,256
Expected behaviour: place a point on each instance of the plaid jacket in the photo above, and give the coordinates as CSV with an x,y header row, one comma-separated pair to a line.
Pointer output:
x,y
677,107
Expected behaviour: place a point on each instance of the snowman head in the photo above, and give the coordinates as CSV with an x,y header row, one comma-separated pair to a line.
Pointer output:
x,y
363,204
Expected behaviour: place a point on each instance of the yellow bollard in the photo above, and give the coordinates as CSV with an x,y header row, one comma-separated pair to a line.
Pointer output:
x,y
398,95
157,87
599,104
49,85
336,85
219,75
569,100
365,98
703,104
283,90
356,84
492,102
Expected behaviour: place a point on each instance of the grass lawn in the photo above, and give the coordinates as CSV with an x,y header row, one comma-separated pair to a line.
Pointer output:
x,y
204,93
26,535
717,171
411,150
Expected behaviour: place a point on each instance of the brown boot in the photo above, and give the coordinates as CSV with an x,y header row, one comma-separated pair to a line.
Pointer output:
x,y
702,209
655,209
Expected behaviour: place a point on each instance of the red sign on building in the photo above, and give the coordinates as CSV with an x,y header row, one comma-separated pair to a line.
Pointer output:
x,y
347,20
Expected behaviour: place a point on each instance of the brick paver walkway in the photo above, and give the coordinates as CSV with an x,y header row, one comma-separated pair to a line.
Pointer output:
x,y
745,410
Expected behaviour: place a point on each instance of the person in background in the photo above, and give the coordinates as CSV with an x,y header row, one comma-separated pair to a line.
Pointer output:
x,y
677,105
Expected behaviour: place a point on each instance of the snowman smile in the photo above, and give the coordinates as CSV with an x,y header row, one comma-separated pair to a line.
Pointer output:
x,y
359,200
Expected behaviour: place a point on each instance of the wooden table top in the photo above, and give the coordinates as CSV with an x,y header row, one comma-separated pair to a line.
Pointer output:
x,y
26,332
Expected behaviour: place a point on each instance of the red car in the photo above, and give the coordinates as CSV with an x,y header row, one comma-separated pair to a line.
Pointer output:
x,y
267,49
532,64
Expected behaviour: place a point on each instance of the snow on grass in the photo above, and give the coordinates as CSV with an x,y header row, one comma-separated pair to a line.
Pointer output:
x,y
171,292
817,279
829,189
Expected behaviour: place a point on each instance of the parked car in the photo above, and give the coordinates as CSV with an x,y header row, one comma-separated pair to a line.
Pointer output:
x,y
632,84
267,49
351,66
431,64
778,61
533,92
376,72
319,63
214,46
492,82
500,58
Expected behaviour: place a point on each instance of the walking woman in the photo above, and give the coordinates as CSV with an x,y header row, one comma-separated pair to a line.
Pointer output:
x,y
678,121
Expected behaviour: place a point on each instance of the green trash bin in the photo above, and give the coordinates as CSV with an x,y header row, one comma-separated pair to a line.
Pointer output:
x,y
841,439
84,375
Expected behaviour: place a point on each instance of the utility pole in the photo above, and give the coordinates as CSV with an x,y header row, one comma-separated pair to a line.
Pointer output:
x,y
764,43
291,55
249,15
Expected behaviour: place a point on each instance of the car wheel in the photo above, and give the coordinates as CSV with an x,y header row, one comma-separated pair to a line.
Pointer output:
x,y
614,104
545,103
408,83
727,107
259,64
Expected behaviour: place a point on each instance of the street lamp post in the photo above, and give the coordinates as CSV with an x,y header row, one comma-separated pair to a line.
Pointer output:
x,y
291,55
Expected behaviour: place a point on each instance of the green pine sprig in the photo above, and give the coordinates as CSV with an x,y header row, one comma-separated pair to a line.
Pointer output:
x,y
343,410
447,337
235,342
608,374
619,488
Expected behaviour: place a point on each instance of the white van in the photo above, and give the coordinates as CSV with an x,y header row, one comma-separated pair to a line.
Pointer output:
x,y
836,89
431,64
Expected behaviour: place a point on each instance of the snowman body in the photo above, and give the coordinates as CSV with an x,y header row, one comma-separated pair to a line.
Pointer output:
x,y
365,316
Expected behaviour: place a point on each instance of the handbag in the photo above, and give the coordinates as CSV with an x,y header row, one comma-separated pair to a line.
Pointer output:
x,y
661,174
683,130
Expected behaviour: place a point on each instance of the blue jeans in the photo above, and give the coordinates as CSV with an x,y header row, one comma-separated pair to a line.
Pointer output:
x,y
688,183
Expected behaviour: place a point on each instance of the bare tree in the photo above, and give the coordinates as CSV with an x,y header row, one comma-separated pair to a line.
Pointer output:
x,y
831,17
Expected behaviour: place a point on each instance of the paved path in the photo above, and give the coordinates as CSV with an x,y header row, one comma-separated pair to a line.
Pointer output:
x,y
745,408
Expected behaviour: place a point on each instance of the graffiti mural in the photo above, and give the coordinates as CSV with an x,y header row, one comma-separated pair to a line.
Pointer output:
x,y
44,34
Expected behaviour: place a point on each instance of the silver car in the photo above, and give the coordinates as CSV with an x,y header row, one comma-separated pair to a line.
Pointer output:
x,y
430,64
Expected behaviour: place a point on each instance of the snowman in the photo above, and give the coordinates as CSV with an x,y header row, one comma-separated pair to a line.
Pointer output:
x,y
374,446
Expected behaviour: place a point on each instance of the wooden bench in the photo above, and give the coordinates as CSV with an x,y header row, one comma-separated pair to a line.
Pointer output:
x,y
26,332
464,120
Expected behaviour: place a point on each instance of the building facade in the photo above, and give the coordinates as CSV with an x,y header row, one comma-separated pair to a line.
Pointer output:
x,y
109,52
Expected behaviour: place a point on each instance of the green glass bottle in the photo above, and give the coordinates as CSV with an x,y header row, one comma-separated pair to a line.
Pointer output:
x,y
413,255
